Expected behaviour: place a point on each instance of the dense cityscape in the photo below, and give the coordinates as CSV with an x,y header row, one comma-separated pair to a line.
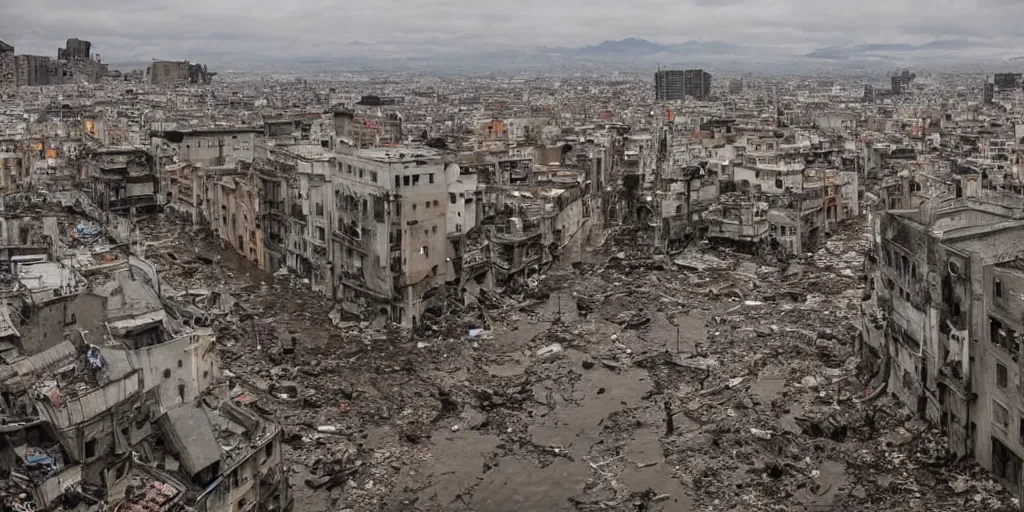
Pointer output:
x,y
664,289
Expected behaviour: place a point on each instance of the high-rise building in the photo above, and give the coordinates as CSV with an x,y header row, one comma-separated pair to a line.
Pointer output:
x,y
988,93
8,70
677,85
1008,81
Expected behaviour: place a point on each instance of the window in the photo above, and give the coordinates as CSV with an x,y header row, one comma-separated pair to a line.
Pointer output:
x,y
416,179
426,204
348,168
999,289
405,181
167,373
270,449
451,197
1001,379
414,207
90,448
434,229
431,176
398,181
433,270
425,251
181,392
778,182
373,176
1000,416
180,363
436,203
360,172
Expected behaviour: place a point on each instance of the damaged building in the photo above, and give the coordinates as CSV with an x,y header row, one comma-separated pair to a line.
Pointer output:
x,y
942,323
111,395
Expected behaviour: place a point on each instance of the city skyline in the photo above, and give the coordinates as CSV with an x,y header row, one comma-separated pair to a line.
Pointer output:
x,y
234,32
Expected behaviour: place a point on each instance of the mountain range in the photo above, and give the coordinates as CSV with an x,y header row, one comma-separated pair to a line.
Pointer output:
x,y
629,54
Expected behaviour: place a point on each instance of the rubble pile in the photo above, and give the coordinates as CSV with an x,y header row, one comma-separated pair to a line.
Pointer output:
x,y
636,384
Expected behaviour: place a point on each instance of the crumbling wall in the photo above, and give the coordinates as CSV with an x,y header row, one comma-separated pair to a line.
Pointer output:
x,y
46,325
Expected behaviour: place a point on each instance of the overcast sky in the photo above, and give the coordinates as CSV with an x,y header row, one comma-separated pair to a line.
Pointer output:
x,y
126,30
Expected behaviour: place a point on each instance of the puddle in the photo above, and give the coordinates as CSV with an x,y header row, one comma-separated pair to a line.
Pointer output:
x,y
517,485
457,463
507,370
663,332
560,301
788,421
769,388
645,448
520,337
832,482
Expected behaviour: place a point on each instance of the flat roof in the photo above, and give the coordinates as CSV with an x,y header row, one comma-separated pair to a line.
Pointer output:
x,y
398,154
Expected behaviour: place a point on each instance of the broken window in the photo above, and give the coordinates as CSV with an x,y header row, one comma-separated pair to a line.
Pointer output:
x,y
90,448
999,289
416,179
1001,378
1000,416
778,182
425,251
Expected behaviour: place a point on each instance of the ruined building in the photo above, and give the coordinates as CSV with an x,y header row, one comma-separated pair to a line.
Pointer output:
x,y
164,72
75,49
121,179
8,70
1008,81
109,392
37,70
942,323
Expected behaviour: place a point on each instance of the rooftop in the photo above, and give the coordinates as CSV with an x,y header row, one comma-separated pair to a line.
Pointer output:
x,y
400,154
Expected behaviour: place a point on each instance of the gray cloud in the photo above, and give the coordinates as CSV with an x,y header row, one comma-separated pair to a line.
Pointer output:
x,y
258,29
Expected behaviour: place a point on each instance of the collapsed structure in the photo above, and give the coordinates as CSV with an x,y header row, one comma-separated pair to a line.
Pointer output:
x,y
111,390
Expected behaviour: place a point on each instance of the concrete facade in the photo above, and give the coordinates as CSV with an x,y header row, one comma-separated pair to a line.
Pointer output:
x,y
8,69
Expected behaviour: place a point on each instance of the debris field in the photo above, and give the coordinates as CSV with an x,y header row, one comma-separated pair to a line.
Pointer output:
x,y
705,381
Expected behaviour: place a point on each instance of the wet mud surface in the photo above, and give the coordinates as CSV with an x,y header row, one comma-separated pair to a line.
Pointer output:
x,y
561,404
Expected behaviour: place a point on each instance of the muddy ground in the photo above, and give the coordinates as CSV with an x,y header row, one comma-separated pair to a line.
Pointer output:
x,y
560,404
